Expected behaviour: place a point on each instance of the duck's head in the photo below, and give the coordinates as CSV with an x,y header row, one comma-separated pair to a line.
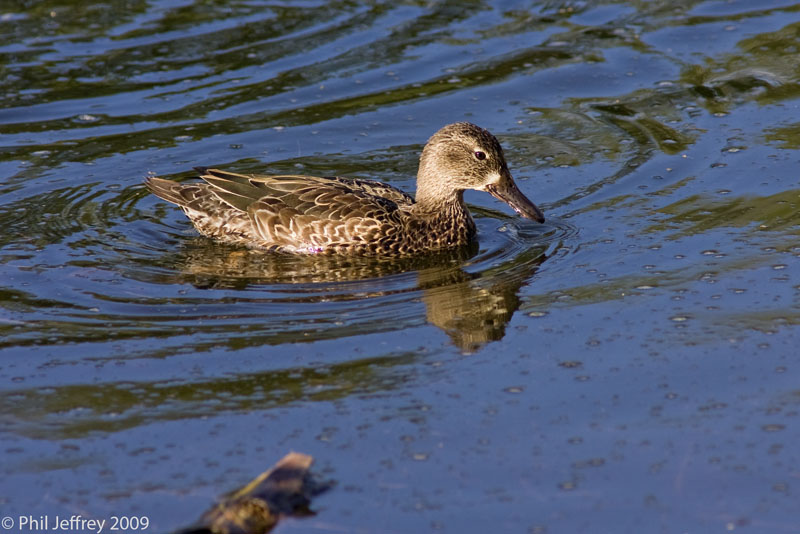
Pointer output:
x,y
464,156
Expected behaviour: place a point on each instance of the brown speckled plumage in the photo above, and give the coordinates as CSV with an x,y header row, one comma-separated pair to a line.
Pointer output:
x,y
309,214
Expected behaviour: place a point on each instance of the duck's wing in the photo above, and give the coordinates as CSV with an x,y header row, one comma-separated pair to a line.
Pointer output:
x,y
369,187
312,213
378,189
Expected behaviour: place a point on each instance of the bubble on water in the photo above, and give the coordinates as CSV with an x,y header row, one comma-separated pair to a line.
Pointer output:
x,y
12,16
733,149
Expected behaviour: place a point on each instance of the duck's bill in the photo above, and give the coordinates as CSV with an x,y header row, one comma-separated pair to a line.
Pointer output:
x,y
507,191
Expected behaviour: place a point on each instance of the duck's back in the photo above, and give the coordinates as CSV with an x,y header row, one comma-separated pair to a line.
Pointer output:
x,y
293,213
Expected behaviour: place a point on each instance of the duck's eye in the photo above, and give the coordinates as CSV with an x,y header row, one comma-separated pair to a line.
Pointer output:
x,y
480,155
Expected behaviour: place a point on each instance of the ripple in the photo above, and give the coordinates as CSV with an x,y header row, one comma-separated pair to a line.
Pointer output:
x,y
470,293
128,339
146,272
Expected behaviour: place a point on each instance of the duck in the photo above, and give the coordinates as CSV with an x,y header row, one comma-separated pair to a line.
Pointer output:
x,y
301,214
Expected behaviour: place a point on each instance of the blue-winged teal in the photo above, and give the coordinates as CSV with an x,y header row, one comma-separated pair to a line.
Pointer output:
x,y
333,215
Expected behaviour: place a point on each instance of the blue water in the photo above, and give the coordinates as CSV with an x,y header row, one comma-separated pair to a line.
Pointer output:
x,y
629,366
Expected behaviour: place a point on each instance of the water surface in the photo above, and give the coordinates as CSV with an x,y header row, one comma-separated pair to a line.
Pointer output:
x,y
629,366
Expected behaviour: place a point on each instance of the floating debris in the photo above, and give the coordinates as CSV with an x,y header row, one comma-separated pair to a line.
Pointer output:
x,y
284,490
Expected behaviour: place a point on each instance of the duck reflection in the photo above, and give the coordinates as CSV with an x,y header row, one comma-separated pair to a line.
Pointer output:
x,y
471,311
473,308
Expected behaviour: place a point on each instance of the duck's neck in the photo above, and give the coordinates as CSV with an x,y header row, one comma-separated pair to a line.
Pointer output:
x,y
443,218
433,200
433,187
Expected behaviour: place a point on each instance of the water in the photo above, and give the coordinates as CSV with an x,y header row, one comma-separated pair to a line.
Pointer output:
x,y
630,366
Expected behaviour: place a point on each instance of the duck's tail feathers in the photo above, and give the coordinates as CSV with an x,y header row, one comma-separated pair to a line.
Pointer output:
x,y
166,189
234,189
